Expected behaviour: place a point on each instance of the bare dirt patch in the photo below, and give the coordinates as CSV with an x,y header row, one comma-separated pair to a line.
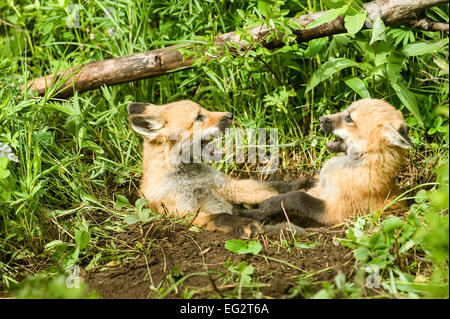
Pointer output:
x,y
175,252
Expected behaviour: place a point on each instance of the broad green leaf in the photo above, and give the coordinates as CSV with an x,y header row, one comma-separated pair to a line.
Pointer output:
x,y
377,241
235,245
254,247
355,22
362,254
357,85
53,244
327,69
131,219
122,201
328,16
140,203
144,215
421,196
422,47
381,261
241,247
322,294
3,162
263,6
391,223
245,269
378,29
340,280
442,64
408,99
4,173
82,239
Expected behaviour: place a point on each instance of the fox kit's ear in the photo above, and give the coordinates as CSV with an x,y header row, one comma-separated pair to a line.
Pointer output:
x,y
143,121
147,125
135,108
397,137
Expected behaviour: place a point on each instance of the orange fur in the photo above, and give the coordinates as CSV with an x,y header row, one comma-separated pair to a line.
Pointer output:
x,y
191,188
369,185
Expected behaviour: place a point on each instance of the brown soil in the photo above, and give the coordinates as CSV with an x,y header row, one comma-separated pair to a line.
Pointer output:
x,y
175,252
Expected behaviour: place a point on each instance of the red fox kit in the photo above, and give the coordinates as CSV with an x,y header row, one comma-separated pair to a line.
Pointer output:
x,y
372,134
176,186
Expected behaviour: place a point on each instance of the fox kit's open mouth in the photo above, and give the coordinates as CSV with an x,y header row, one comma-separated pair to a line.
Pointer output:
x,y
211,138
338,145
209,144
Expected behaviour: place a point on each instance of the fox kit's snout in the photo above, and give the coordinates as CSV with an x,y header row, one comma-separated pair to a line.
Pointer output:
x,y
372,135
368,125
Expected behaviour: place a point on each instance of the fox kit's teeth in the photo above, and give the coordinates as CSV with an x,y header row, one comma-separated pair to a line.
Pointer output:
x,y
333,144
336,145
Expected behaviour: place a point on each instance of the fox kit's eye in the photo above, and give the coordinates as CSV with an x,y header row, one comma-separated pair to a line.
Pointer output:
x,y
199,118
348,119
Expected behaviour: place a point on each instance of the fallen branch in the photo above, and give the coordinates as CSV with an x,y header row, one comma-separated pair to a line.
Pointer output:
x,y
158,62
429,25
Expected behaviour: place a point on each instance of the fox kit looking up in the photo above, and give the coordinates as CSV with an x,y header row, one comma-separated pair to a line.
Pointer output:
x,y
178,186
372,134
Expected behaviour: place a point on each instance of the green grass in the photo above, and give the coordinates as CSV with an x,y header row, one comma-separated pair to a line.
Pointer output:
x,y
76,155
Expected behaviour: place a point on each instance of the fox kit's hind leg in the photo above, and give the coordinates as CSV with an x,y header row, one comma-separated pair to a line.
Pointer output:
x,y
299,203
246,191
254,192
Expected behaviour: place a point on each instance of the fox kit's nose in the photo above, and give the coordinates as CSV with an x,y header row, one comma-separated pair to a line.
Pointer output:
x,y
225,121
228,116
326,124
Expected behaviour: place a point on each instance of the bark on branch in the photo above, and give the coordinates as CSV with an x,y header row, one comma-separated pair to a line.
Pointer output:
x,y
158,62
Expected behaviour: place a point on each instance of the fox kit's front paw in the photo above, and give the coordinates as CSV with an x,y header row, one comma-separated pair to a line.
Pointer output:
x,y
248,228
241,227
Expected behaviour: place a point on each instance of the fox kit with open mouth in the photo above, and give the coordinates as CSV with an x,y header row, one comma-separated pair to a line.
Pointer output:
x,y
176,184
372,134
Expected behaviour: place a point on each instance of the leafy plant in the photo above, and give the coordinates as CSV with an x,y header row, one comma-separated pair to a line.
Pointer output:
x,y
341,288
54,287
239,246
